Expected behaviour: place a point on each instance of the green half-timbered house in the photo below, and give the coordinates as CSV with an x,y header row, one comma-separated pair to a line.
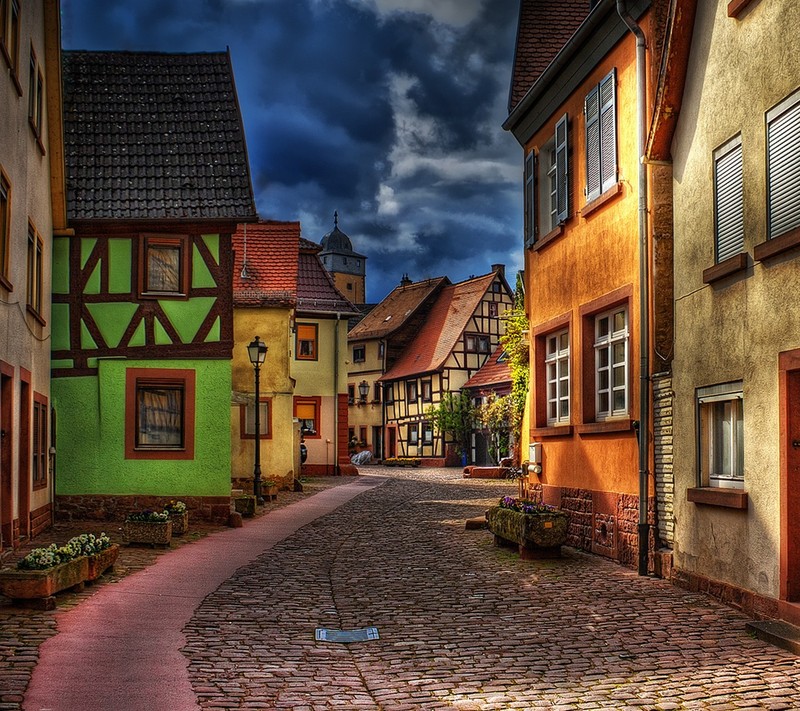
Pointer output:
x,y
157,179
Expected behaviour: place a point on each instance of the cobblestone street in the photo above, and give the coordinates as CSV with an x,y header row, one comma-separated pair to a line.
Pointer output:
x,y
463,624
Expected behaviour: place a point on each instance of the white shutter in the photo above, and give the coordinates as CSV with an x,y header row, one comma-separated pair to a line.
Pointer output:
x,y
592,112
608,131
562,169
783,166
728,200
530,199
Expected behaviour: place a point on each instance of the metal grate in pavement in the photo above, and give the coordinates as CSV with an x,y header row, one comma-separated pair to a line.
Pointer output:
x,y
367,634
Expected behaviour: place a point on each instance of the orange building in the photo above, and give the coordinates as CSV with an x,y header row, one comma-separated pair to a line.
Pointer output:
x,y
579,107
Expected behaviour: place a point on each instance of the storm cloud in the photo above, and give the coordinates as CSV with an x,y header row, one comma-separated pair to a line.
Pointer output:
x,y
388,111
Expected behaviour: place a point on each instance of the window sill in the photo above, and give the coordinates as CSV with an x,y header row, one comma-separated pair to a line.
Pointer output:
x,y
725,268
33,312
601,200
715,496
6,284
15,80
554,431
624,424
777,245
737,7
551,236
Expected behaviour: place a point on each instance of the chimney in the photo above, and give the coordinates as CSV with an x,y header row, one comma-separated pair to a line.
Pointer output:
x,y
500,269
405,281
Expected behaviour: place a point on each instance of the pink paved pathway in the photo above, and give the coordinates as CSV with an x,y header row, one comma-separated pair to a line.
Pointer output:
x,y
120,650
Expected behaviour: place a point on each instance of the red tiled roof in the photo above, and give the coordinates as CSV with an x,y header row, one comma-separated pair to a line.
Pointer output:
x,y
444,326
493,373
400,304
316,291
271,250
544,28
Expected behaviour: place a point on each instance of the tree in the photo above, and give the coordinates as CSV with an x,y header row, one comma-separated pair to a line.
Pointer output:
x,y
454,416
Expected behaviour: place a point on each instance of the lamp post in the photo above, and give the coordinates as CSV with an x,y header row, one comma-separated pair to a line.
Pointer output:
x,y
257,352
363,390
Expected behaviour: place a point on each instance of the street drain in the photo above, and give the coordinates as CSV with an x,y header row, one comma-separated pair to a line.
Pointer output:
x,y
366,634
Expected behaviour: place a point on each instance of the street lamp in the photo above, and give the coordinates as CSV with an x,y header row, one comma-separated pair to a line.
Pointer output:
x,y
363,390
257,352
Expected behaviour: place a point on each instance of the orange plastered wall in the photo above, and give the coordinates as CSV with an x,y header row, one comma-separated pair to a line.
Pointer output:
x,y
597,254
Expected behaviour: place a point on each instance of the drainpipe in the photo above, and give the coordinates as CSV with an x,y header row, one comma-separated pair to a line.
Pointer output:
x,y
336,396
644,288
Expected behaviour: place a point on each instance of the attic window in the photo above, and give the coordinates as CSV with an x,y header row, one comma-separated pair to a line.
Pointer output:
x,y
163,265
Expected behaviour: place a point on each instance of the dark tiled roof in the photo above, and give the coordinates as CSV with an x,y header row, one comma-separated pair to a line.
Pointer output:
x,y
399,305
268,252
316,292
444,326
493,374
154,136
544,28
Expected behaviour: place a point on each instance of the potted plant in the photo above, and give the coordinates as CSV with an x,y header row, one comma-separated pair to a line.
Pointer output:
x,y
150,527
269,489
179,515
538,529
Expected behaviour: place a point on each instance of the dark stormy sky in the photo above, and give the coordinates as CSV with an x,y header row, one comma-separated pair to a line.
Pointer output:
x,y
388,111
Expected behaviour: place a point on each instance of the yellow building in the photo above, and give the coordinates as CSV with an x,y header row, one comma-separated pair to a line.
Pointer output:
x,y
737,296
265,298
32,209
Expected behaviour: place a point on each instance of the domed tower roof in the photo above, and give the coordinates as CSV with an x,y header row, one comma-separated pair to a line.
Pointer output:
x,y
336,240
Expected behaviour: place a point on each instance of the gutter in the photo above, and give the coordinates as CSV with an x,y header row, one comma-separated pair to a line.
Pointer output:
x,y
644,288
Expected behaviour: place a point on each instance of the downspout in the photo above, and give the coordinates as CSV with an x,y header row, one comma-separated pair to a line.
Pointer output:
x,y
336,396
644,288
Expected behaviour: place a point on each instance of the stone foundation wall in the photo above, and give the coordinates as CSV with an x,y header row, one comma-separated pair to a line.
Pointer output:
x,y
602,522
104,507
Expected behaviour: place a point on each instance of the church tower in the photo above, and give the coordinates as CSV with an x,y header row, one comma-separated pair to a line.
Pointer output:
x,y
348,268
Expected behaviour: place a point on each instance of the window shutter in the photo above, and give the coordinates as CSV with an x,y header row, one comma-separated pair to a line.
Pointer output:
x,y
530,195
592,111
562,169
728,200
608,131
783,167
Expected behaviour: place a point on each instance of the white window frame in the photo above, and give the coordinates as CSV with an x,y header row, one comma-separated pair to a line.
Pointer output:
x,y
783,167
728,200
608,364
720,435
557,376
413,434
601,136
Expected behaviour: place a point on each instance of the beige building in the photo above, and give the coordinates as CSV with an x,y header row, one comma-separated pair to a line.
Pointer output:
x,y
736,153
32,208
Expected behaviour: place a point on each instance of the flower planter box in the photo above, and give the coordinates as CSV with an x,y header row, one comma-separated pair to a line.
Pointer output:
x,y
245,505
41,584
180,523
100,562
270,493
154,533
538,535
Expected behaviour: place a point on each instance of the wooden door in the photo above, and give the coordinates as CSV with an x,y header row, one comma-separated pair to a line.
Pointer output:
x,y
6,453
392,452
791,532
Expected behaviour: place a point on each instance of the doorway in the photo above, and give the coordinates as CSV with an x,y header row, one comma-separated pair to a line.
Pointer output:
x,y
392,451
6,453
377,442
790,475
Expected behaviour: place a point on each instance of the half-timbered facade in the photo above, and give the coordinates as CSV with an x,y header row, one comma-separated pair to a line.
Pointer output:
x,y
460,333
157,180
374,346
31,211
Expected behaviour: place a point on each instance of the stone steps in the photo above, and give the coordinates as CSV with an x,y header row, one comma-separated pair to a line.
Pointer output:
x,y
776,632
